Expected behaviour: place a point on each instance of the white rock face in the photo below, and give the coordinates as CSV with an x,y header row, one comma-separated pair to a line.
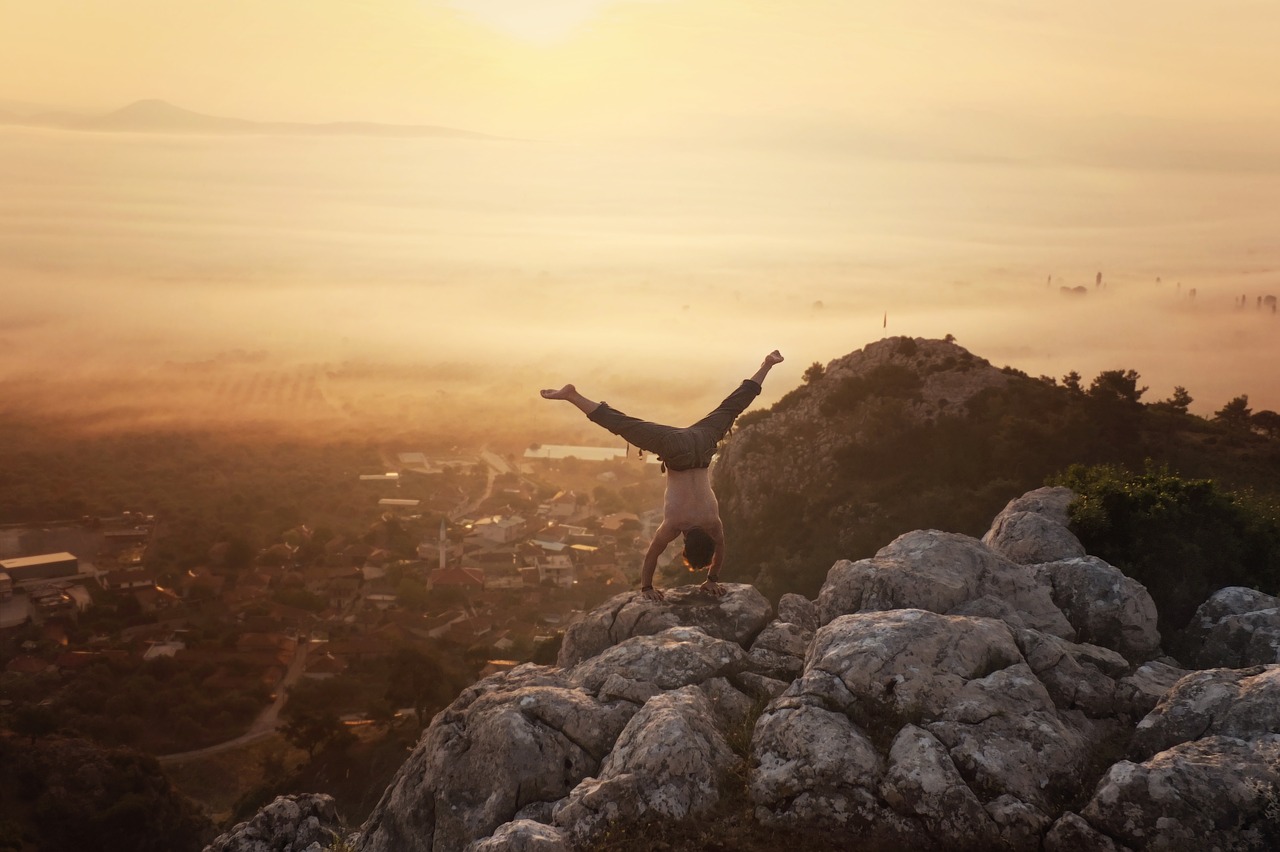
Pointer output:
x,y
1236,627
737,617
906,722
1104,606
667,764
940,572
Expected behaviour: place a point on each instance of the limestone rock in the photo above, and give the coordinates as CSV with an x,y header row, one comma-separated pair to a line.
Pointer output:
x,y
1104,606
736,617
531,726
779,650
939,572
798,610
1028,538
1211,794
667,763
1052,502
1236,627
1072,834
676,657
1239,703
1138,693
288,824
522,836
874,685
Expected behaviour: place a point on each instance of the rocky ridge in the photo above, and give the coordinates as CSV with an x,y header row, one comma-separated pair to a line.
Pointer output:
x,y
947,693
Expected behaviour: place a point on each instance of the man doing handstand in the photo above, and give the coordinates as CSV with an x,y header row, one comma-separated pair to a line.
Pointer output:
x,y
690,506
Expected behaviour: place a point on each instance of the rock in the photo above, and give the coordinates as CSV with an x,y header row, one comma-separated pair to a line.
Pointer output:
x,y
939,572
731,705
1104,606
779,650
531,725
871,676
1076,676
1028,538
1239,703
1051,502
923,782
676,657
522,836
1033,528
667,763
798,610
1072,834
1236,627
1211,794
736,617
288,824
1138,693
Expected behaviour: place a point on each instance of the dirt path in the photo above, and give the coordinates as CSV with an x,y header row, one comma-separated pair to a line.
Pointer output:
x,y
263,726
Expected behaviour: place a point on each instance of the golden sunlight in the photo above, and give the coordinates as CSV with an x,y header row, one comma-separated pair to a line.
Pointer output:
x,y
544,22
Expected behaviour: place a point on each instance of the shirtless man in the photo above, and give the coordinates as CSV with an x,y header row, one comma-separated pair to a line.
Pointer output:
x,y
690,506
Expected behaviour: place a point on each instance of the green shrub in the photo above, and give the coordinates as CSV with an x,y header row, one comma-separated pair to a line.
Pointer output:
x,y
1182,538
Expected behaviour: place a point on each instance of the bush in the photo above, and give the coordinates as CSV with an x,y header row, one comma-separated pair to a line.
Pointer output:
x,y
1182,538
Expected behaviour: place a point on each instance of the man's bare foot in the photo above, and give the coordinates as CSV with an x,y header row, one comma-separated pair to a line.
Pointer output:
x,y
714,588
653,594
774,357
566,392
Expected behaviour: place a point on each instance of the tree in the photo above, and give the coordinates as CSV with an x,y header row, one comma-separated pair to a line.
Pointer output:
x,y
1180,400
1071,381
309,728
1267,422
416,680
814,372
1235,414
1117,386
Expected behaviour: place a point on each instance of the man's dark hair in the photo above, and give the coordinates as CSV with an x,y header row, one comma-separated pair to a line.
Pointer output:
x,y
698,549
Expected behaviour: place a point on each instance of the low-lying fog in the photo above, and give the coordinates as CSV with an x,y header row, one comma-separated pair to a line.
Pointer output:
x,y
437,284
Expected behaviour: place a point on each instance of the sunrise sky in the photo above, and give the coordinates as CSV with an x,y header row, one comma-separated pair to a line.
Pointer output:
x,y
673,186
568,67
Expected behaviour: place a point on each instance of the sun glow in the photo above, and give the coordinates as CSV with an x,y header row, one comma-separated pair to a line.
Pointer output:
x,y
535,21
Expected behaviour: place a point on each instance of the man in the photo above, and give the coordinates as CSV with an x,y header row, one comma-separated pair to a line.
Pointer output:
x,y
690,506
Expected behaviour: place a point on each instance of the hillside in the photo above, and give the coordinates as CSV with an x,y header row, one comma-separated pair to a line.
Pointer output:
x,y
917,434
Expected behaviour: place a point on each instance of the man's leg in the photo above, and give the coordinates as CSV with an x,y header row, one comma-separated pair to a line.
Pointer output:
x,y
639,433
717,423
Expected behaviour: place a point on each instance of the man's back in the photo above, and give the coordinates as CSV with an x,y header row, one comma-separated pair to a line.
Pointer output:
x,y
689,501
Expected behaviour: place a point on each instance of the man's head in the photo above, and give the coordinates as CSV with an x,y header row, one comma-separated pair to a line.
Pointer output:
x,y
698,549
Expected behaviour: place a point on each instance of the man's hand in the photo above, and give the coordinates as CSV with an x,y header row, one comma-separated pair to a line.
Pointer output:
x,y
774,357
714,588
652,594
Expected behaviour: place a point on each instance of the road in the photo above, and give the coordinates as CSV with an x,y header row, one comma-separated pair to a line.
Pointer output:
x,y
263,726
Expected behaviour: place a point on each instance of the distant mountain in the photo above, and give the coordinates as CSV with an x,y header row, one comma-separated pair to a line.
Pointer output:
x,y
157,116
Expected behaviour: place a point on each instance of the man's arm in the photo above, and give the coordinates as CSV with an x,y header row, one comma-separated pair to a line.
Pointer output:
x,y
712,583
665,534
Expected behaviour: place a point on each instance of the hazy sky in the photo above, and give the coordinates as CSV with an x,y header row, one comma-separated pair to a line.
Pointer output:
x,y
565,67
682,185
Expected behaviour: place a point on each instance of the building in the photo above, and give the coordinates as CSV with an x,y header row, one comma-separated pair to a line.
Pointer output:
x,y
557,568
500,529
6,586
28,571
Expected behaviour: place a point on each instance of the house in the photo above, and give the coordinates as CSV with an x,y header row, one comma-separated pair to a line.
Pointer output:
x,y
563,505
500,529
461,578
122,580
556,568
324,666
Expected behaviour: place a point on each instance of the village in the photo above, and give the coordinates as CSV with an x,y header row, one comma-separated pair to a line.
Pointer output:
x,y
485,575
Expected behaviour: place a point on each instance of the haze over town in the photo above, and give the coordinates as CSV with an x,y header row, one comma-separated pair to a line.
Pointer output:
x,y
662,191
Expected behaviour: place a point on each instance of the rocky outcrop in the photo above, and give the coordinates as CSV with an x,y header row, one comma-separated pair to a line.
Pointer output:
x,y
305,823
943,573
939,695
1033,528
1236,627
737,617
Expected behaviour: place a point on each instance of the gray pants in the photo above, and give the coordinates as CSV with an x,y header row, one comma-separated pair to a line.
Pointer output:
x,y
679,449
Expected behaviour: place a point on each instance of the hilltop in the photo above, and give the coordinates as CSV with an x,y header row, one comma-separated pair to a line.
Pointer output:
x,y
911,434
158,116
